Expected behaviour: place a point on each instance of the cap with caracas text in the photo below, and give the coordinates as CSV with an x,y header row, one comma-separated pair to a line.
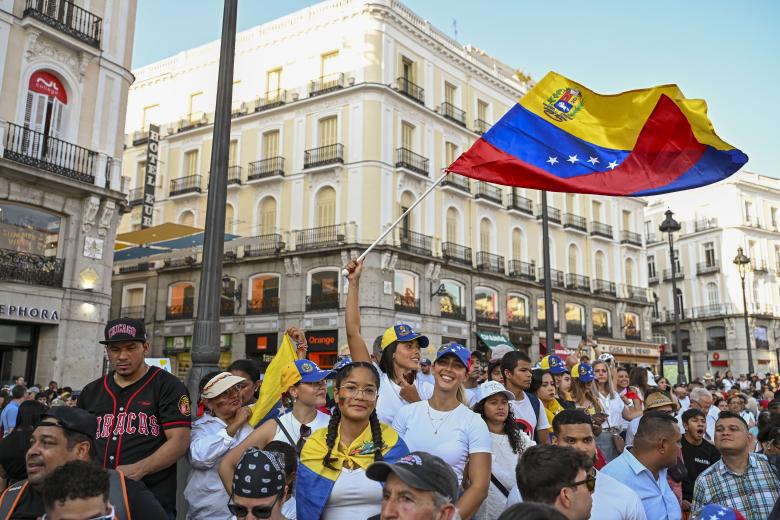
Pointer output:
x,y
402,332
124,329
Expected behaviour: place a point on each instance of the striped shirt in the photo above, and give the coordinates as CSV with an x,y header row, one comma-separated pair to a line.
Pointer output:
x,y
753,493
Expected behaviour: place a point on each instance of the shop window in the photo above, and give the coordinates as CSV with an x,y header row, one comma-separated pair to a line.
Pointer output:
x,y
29,230
263,294
631,326
602,322
575,319
323,290
541,316
181,299
517,311
486,305
716,338
451,300
405,292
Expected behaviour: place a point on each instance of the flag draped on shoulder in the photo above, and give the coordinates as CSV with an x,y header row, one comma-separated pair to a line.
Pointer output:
x,y
563,137
271,389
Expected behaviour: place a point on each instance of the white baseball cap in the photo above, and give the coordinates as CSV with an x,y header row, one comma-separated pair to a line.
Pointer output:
x,y
490,388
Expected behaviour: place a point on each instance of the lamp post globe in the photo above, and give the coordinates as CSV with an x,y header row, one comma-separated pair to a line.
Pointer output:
x,y
670,226
742,261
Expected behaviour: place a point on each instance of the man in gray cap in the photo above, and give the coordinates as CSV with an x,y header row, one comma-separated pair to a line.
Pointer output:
x,y
417,486
259,487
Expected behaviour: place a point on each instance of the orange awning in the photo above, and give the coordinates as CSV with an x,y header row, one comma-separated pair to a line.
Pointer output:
x,y
153,234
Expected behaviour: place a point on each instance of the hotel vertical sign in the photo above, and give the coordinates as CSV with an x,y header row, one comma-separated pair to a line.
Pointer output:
x,y
152,148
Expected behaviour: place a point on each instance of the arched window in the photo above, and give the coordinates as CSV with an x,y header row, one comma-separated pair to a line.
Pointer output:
x,y
629,271
517,311
713,296
325,207
268,216
575,319
602,322
45,104
679,297
323,289
716,338
541,315
451,302
187,218
599,265
453,225
405,292
517,244
263,294
486,305
485,235
631,326
574,256
181,301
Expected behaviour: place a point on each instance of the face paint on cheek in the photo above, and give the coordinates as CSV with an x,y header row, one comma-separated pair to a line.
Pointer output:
x,y
342,400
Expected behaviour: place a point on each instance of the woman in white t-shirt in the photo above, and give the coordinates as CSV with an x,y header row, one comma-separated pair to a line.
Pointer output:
x,y
445,427
508,442
400,360
615,407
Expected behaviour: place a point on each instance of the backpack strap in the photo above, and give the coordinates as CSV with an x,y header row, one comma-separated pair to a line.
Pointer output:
x,y
536,404
117,495
284,430
499,485
10,499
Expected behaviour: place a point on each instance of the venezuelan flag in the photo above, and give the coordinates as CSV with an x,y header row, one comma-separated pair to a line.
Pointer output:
x,y
271,389
314,482
563,137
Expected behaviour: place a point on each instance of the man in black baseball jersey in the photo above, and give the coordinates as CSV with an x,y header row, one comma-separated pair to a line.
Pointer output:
x,y
143,413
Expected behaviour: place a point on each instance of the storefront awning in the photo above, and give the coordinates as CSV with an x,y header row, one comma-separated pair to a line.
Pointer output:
x,y
494,339
167,231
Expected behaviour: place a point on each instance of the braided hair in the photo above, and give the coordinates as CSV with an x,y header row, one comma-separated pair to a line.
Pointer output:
x,y
511,428
335,418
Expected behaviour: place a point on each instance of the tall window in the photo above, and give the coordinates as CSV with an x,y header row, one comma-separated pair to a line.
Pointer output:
x,y
748,211
328,63
405,291
626,220
482,110
573,258
449,93
773,216
196,106
323,290
651,266
777,258
273,82
45,104
713,297
631,325
575,318
629,271
327,131
140,174
540,314
229,219
595,207
486,304
190,163
150,116
233,153
407,135
677,267
406,224
602,322
600,261
716,338
452,302
453,225
517,244
407,69
263,294
517,310
271,144
134,297
268,216
709,254
648,228
485,235
181,297
761,337
680,302
450,153
325,207
570,203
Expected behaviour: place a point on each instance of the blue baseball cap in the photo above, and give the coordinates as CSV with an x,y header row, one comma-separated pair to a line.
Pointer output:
x,y
302,371
583,372
553,365
463,354
402,332
341,363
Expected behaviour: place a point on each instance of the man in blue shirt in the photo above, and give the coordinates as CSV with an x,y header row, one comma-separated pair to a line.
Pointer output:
x,y
643,469
8,417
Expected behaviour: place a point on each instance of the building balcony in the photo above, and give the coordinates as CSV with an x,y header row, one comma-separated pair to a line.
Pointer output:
x,y
577,282
184,185
553,214
679,274
705,223
708,267
35,149
541,324
325,84
572,221
410,90
521,204
489,192
181,311
266,168
630,238
456,253
234,175
259,306
555,275
193,120
684,314
758,266
137,312
405,158
182,261
652,238
575,328
709,311
67,17
522,270
324,155
602,332
490,263
410,305
264,245
453,113
454,313
29,268
633,292
415,242
487,317
140,137
139,267
519,322
319,237
633,336
599,229
457,181
604,287
273,99
322,302
480,126
227,306
135,196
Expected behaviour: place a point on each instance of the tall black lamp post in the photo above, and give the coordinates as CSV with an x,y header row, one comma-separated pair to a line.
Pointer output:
x,y
742,261
670,226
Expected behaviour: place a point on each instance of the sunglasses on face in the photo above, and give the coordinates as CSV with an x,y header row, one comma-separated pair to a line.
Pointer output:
x,y
109,516
589,482
257,511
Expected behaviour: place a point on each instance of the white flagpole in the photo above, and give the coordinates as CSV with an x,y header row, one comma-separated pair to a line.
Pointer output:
x,y
387,231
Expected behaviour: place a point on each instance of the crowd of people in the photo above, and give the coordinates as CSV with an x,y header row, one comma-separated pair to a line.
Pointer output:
x,y
393,434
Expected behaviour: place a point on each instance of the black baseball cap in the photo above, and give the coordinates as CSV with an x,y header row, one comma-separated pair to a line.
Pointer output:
x,y
124,329
72,419
420,470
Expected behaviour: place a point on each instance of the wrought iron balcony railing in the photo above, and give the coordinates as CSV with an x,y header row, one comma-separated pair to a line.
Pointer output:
x,y
234,175
411,305
323,155
553,214
325,84
265,168
67,17
272,99
481,126
602,332
183,185
322,302
490,262
137,312
265,305
541,324
708,311
652,278
679,274
457,181
575,328
135,196
405,158
488,317
708,267
29,268
604,287
454,312
453,113
758,265
415,242
633,292
519,322
631,238
140,137
139,267
411,90
520,203
456,253
227,306
572,221
319,237
555,275
180,311
489,192
599,229
704,224
522,270
577,282
264,245
38,150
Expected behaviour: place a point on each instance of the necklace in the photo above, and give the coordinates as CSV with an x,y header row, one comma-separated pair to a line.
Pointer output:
x,y
440,420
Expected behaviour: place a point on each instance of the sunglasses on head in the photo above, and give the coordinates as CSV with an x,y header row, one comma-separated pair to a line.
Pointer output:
x,y
257,511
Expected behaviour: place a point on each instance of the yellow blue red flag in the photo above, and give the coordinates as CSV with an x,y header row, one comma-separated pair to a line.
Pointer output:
x,y
271,389
562,136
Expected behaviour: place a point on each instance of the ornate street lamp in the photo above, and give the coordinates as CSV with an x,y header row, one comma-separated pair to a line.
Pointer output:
x,y
742,261
671,226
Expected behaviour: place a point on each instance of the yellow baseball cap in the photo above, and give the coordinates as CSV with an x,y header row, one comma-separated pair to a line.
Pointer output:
x,y
402,332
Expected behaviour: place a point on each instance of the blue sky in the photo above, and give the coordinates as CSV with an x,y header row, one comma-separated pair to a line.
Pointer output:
x,y
723,51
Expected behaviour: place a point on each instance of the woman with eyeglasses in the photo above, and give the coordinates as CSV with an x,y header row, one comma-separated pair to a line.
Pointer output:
x,y
444,426
332,482
400,359
222,427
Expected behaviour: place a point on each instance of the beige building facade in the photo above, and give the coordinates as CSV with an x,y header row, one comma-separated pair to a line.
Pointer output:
x,y
344,114
64,77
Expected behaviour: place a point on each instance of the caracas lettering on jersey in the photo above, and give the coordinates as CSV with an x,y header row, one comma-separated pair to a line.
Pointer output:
x,y
127,422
